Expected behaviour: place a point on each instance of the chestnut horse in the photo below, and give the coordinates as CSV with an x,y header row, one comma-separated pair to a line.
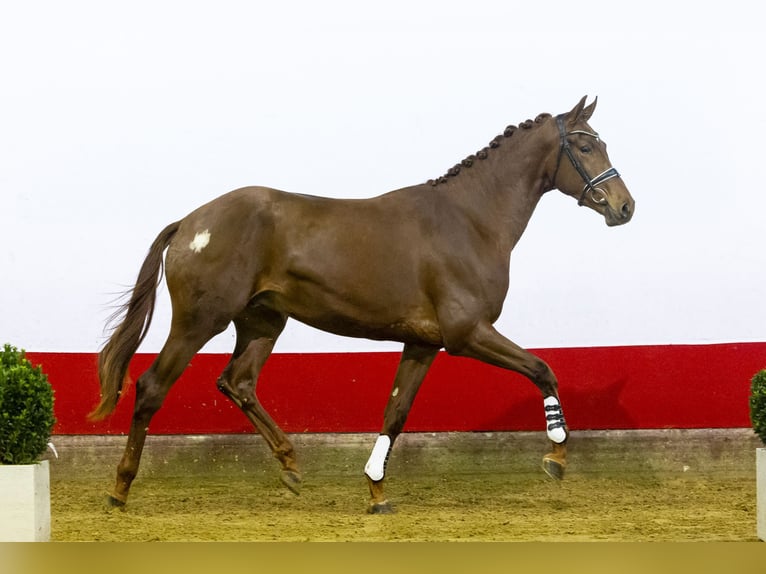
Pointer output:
x,y
425,265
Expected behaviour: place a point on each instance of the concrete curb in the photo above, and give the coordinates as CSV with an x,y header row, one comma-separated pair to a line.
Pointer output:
x,y
730,451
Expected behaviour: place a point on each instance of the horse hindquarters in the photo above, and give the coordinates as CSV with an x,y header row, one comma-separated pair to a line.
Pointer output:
x,y
201,310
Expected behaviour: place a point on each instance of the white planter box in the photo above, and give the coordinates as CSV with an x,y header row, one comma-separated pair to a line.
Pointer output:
x,y
25,502
760,493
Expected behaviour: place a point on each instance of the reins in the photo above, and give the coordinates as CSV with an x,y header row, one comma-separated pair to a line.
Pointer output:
x,y
590,183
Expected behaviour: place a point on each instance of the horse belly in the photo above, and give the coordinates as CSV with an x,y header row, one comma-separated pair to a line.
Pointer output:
x,y
352,313
404,331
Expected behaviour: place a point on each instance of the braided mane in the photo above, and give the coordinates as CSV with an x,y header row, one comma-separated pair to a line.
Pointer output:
x,y
483,153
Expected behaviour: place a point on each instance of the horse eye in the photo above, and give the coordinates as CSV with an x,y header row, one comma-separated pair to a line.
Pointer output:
x,y
585,149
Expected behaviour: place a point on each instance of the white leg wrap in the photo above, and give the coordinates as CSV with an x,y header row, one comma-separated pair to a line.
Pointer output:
x,y
376,465
554,418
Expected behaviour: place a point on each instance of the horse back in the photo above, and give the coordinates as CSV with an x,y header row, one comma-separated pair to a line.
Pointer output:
x,y
354,267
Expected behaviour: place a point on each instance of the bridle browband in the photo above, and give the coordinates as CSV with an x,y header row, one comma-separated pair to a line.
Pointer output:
x,y
590,184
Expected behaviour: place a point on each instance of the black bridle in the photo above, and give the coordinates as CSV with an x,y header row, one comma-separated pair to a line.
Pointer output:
x,y
590,183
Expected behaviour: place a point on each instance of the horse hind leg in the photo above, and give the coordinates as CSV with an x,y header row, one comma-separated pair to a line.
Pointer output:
x,y
256,335
151,389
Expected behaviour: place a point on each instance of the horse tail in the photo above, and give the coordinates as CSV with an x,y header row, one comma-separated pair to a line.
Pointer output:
x,y
115,356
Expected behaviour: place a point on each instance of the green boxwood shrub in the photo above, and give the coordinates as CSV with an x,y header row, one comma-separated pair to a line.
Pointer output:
x,y
758,404
26,409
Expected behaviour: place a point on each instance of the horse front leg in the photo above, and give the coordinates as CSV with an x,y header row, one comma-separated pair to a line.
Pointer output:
x,y
555,462
413,366
489,346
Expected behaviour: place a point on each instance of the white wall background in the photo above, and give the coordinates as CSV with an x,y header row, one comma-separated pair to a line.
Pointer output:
x,y
119,117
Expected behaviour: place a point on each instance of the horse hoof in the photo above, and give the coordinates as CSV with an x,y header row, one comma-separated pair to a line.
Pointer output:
x,y
112,502
291,480
553,468
384,507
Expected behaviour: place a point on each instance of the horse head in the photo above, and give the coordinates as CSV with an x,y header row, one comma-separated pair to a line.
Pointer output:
x,y
583,169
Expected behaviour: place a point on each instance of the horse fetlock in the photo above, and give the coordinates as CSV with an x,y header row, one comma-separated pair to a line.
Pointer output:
x,y
285,453
379,504
555,462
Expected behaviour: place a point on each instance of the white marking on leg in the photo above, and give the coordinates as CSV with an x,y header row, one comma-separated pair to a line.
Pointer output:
x,y
200,241
376,465
396,392
554,418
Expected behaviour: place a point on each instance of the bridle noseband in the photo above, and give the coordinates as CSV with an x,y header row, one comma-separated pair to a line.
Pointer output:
x,y
590,184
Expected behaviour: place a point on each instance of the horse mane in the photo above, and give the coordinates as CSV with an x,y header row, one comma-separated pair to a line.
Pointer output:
x,y
483,153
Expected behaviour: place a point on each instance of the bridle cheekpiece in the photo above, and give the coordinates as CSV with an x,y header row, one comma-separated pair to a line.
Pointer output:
x,y
590,183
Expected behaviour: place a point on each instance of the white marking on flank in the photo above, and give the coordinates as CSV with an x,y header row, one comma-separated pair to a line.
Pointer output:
x,y
376,466
200,241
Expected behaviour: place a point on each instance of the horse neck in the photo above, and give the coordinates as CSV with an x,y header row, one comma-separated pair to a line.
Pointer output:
x,y
500,193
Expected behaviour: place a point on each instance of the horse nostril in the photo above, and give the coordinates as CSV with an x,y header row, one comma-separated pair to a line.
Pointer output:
x,y
626,210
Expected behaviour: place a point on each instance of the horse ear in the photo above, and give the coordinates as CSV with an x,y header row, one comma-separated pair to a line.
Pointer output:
x,y
588,112
575,115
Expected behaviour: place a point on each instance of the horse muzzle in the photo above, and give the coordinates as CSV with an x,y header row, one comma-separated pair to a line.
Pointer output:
x,y
617,206
619,212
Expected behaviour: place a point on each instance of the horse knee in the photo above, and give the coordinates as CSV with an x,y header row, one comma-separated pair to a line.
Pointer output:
x,y
543,377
